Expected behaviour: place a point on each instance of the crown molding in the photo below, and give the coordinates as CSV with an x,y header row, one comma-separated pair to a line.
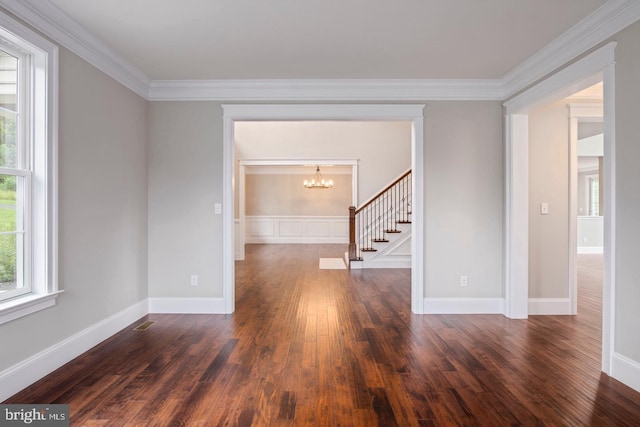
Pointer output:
x,y
604,22
52,22
325,90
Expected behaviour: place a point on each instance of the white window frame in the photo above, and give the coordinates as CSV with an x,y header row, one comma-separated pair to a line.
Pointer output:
x,y
40,130
589,190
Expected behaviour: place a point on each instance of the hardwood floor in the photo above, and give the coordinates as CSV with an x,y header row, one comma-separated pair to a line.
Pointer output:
x,y
310,347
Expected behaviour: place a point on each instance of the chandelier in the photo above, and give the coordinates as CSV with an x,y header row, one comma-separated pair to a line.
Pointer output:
x,y
318,181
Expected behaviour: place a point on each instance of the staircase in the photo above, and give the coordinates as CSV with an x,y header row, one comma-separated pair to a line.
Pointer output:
x,y
380,230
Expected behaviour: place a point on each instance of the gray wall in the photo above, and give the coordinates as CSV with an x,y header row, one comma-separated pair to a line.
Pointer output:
x,y
268,194
549,182
103,210
464,179
185,182
627,195
463,193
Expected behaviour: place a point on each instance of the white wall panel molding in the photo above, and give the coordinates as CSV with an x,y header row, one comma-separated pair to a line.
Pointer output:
x,y
297,229
325,90
37,366
604,22
464,306
50,20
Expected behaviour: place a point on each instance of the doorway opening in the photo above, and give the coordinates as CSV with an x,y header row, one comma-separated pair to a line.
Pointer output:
x,y
313,112
593,68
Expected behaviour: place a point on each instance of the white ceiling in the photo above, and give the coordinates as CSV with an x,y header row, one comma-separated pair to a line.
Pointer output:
x,y
311,39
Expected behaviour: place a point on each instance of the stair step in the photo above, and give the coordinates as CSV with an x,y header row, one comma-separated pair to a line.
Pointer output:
x,y
403,222
392,231
380,241
368,250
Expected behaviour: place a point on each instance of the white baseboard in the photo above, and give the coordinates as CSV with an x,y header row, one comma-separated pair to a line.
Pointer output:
x,y
30,370
549,306
187,305
590,250
464,305
398,262
626,371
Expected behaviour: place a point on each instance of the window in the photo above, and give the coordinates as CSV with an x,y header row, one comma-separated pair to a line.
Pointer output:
x,y
593,193
28,170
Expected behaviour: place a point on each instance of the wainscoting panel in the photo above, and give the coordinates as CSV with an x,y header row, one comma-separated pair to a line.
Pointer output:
x,y
297,229
289,228
261,228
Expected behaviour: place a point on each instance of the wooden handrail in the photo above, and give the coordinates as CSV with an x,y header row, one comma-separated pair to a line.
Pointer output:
x,y
383,221
352,233
380,193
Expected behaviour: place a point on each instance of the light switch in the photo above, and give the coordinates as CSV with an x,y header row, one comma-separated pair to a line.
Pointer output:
x,y
544,208
218,208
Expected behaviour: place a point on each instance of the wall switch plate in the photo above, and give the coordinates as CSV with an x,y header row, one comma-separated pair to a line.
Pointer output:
x,y
464,280
217,208
194,280
544,208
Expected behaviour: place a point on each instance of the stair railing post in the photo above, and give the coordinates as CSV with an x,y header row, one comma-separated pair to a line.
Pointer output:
x,y
352,233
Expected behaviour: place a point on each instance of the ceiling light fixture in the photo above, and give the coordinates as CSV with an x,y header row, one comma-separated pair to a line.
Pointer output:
x,y
318,181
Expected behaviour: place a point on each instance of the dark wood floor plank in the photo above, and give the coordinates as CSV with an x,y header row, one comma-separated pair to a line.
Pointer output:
x,y
310,347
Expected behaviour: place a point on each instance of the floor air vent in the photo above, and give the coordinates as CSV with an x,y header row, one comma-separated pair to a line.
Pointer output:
x,y
144,326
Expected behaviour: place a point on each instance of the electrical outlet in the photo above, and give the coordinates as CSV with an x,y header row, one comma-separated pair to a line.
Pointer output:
x,y
464,280
194,280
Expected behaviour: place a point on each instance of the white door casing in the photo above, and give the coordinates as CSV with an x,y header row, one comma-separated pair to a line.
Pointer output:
x,y
289,112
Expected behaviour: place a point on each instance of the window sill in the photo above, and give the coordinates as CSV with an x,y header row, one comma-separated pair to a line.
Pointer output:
x,y
25,305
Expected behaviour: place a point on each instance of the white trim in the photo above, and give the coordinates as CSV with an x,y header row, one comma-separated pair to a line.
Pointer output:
x,y
404,261
325,90
516,216
41,132
576,76
409,112
550,306
28,371
573,212
626,370
464,305
609,235
306,170
51,21
417,213
187,305
22,306
604,22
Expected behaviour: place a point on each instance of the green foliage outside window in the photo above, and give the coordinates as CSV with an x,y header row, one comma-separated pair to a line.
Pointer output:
x,y
7,203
